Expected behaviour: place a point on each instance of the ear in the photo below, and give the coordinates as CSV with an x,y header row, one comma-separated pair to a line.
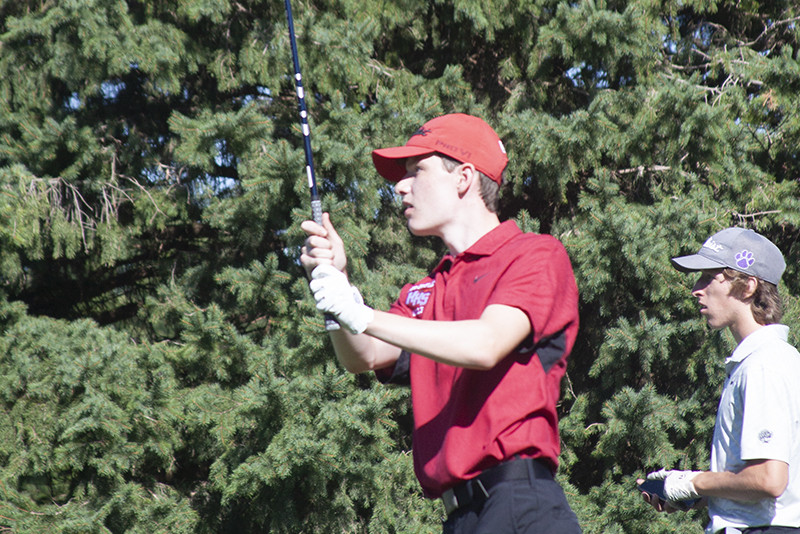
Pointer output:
x,y
752,285
467,177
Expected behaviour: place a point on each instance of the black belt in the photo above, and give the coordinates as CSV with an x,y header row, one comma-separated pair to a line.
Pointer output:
x,y
477,489
769,529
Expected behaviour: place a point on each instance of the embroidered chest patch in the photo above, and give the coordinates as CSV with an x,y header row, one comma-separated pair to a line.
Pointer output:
x,y
418,296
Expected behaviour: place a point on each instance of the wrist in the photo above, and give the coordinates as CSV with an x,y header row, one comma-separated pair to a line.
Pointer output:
x,y
699,482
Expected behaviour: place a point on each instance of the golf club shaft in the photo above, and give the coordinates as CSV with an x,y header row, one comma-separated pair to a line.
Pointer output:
x,y
316,204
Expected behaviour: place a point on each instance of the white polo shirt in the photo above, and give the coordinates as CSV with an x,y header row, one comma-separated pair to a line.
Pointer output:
x,y
759,418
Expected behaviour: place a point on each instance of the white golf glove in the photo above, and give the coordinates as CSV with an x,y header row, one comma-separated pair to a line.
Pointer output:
x,y
677,484
336,296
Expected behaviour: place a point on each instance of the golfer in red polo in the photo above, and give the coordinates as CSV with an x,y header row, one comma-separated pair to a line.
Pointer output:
x,y
483,339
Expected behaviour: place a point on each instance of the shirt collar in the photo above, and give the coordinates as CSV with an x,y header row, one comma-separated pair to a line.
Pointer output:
x,y
486,245
755,340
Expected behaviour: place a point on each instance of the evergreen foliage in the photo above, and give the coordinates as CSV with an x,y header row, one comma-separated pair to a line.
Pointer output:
x,y
163,368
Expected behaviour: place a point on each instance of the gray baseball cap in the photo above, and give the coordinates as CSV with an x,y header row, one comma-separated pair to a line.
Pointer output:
x,y
739,249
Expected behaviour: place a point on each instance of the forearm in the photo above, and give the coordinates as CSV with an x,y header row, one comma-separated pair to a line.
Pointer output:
x,y
475,344
761,479
360,352
445,342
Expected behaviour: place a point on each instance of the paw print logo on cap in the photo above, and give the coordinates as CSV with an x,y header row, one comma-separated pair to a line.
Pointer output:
x,y
745,259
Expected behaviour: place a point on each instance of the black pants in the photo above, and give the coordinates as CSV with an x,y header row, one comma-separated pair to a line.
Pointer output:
x,y
535,506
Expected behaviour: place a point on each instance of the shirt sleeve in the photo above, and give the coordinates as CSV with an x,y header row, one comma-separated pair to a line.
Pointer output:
x,y
541,283
399,373
766,418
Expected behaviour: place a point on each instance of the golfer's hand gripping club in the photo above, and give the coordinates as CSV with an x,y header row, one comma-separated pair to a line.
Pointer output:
x,y
316,207
678,485
334,295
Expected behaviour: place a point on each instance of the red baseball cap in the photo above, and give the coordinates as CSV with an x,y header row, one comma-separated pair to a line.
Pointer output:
x,y
462,137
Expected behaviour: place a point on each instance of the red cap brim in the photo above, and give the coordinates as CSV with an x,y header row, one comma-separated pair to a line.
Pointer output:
x,y
391,162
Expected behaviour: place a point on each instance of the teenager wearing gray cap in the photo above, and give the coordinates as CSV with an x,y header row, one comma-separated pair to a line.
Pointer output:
x,y
754,481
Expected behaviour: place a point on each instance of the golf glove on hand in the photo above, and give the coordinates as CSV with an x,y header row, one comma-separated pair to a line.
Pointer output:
x,y
677,484
336,296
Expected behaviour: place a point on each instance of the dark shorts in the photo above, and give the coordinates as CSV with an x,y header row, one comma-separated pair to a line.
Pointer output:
x,y
517,507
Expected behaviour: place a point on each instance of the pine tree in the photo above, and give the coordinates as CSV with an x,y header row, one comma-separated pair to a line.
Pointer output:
x,y
163,367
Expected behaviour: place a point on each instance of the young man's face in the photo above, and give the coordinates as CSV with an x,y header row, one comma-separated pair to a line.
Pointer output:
x,y
429,193
720,309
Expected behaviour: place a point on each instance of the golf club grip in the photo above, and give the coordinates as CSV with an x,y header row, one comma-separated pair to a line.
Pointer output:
x,y
316,210
316,213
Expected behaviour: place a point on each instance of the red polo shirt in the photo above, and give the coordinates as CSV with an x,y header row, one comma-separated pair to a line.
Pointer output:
x,y
465,420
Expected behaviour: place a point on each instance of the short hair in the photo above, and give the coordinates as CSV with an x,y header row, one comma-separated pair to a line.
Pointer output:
x,y
766,303
490,190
